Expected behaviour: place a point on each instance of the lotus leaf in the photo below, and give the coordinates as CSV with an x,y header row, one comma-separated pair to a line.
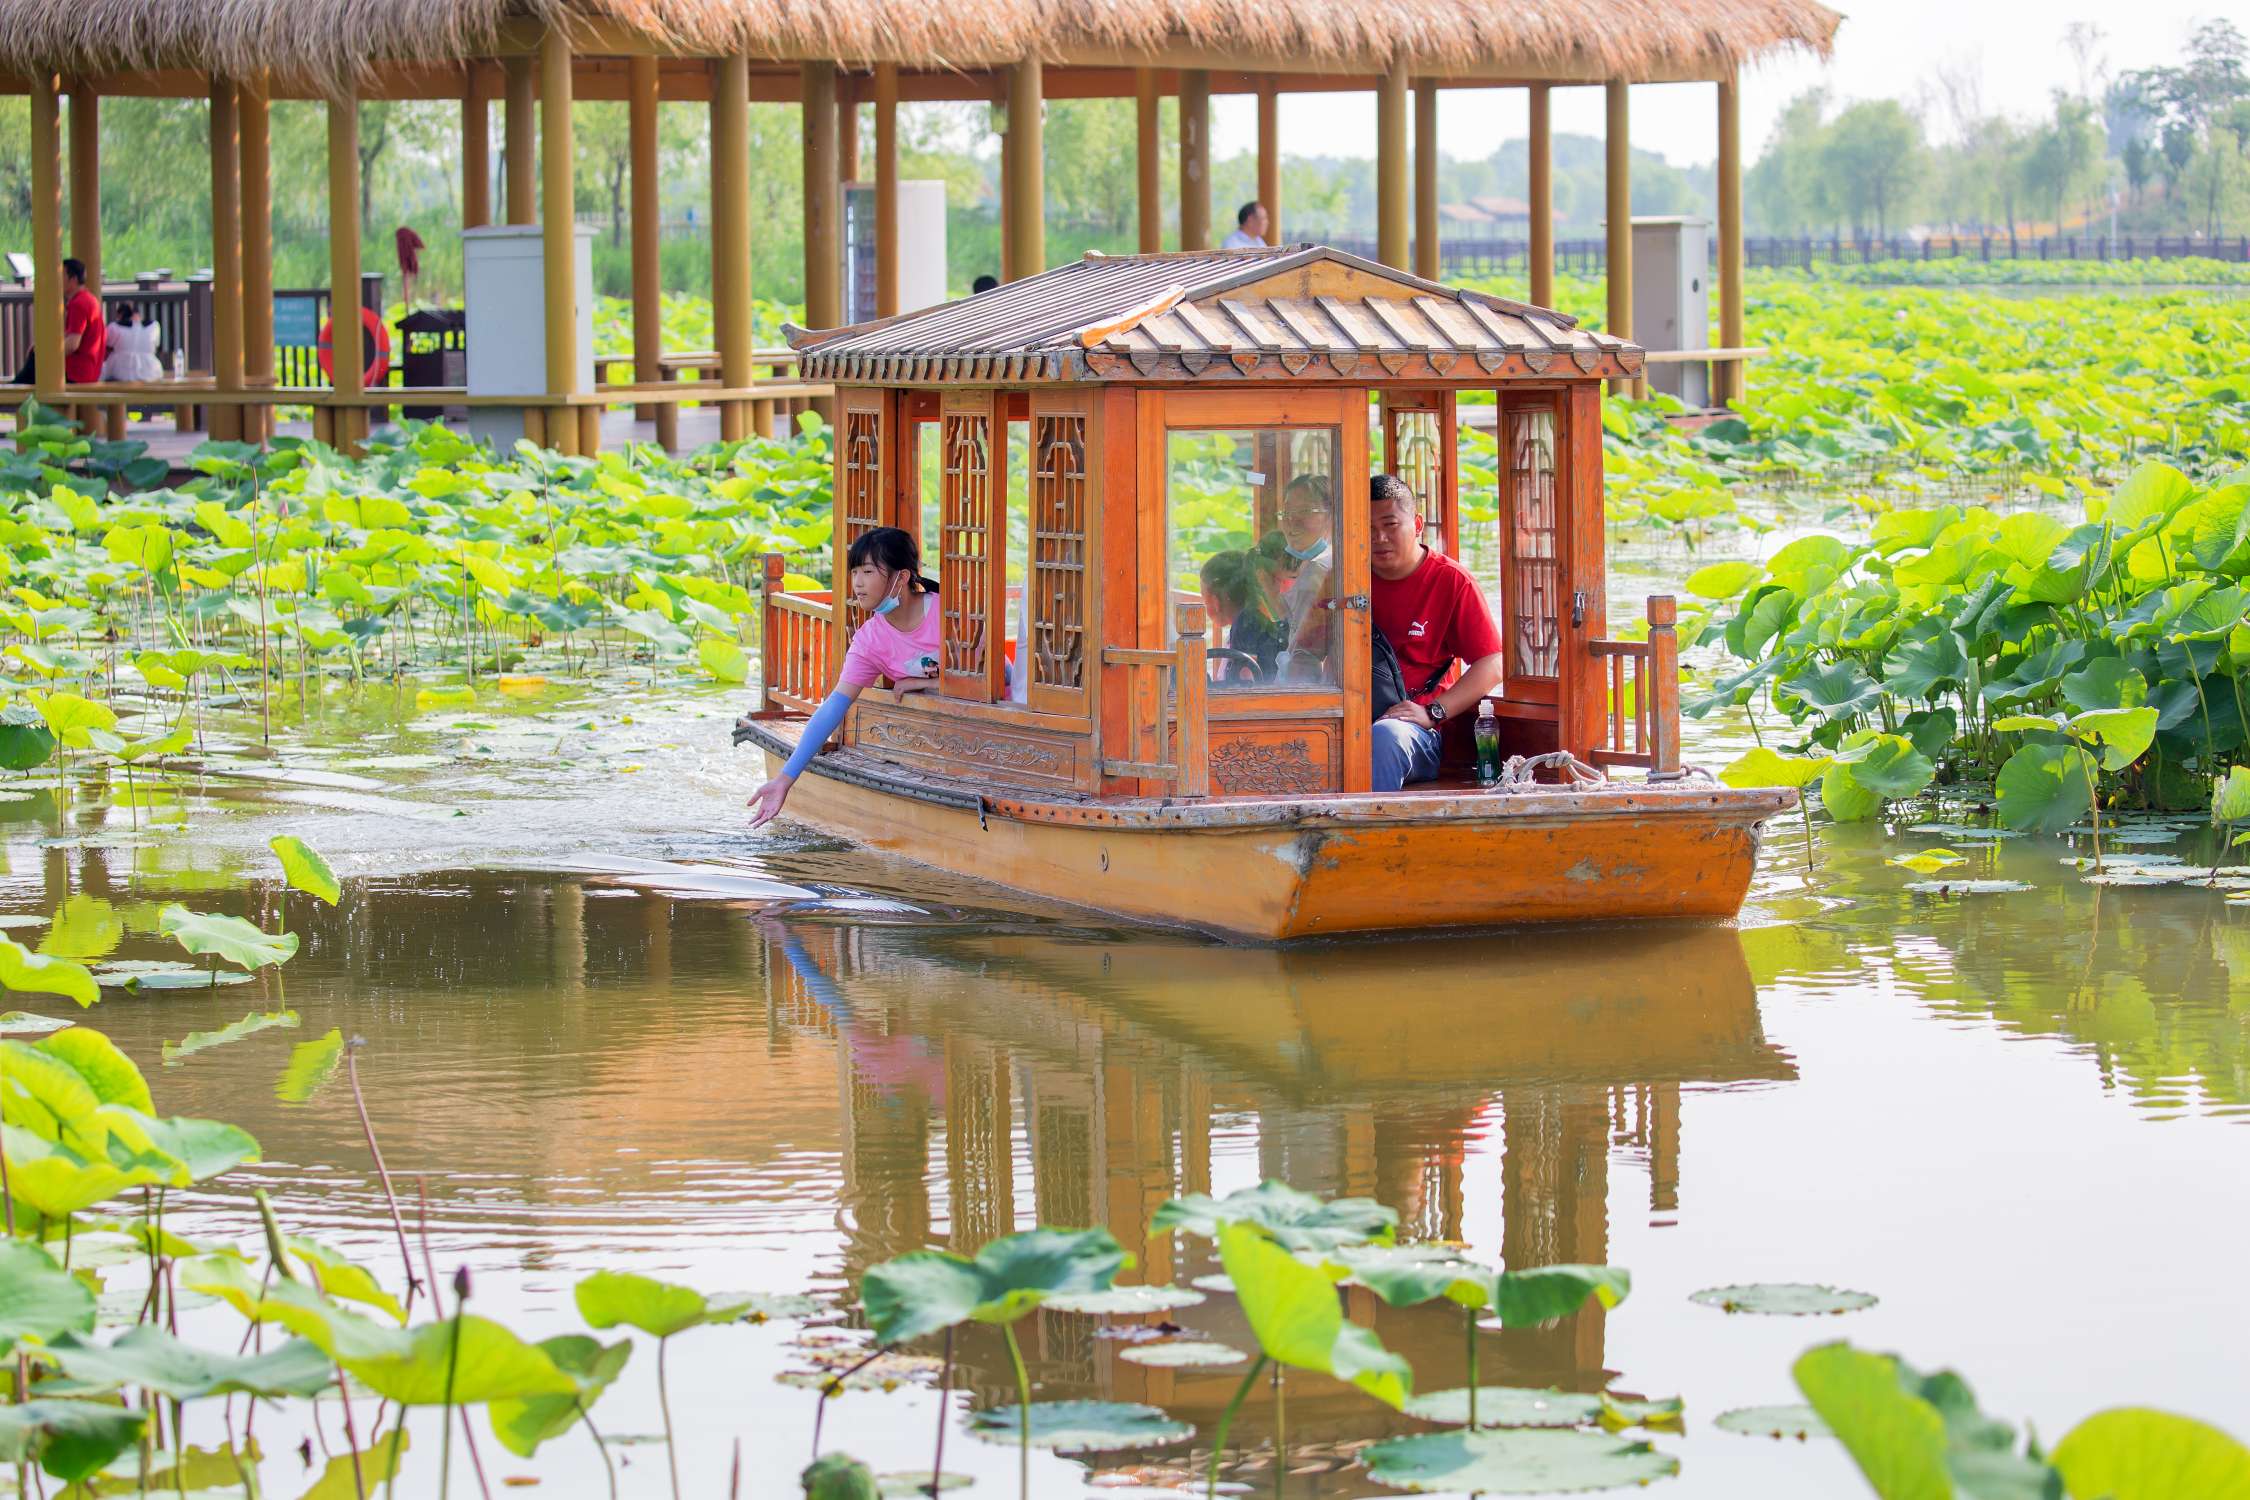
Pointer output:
x,y
238,942
1515,1462
1081,1426
2132,1453
523,1423
1763,767
1798,1422
38,1299
657,1308
70,1439
1293,1309
249,1025
1297,1221
1507,1406
1177,1354
928,1290
305,870
32,973
1124,1301
311,1064
149,1357
1916,1437
839,1477
1788,1299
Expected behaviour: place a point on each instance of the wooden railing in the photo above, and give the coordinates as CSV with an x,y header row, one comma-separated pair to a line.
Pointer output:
x,y
797,630
1644,695
1164,710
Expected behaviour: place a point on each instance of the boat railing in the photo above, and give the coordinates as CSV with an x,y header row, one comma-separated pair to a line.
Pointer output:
x,y
797,630
1164,690
1643,727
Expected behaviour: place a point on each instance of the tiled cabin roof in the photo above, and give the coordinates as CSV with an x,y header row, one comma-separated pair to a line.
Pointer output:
x,y
1304,312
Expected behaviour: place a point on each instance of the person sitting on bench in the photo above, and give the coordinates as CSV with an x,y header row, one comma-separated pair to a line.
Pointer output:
x,y
1430,610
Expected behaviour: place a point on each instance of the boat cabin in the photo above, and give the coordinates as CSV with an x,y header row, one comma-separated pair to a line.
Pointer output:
x,y
1142,485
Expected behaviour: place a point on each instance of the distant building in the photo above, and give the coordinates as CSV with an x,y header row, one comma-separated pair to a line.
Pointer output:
x,y
1489,215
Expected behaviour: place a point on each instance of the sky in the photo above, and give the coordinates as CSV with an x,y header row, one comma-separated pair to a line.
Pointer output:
x,y
1884,49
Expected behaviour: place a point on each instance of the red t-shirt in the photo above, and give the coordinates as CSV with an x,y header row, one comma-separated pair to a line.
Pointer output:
x,y
82,314
1433,616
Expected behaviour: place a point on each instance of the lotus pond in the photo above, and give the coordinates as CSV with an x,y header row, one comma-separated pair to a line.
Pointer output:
x,y
391,806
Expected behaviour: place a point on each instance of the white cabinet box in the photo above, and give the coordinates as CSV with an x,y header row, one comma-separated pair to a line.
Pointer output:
x,y
505,282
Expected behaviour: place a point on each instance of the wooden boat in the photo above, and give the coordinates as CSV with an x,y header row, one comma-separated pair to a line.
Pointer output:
x,y
1088,743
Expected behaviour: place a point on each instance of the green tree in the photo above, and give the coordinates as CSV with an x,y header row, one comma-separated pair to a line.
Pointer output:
x,y
1787,189
1874,154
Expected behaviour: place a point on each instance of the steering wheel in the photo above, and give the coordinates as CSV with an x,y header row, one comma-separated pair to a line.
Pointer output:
x,y
1239,666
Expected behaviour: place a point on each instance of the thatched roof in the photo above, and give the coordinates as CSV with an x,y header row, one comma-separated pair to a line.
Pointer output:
x,y
334,41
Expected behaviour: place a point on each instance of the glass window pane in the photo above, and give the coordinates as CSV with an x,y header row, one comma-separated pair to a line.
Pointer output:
x,y
1253,522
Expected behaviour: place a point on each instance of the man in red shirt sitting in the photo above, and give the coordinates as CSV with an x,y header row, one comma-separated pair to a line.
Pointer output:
x,y
85,335
1432,612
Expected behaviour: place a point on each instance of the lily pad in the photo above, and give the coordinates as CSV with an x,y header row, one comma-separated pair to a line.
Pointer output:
x,y
2136,877
15,920
1081,1426
1507,1406
2140,862
1965,887
1799,1422
1964,831
907,1482
1783,1299
1125,1301
758,1307
885,1372
1661,1414
152,974
1183,1354
24,1023
1217,1281
1505,1462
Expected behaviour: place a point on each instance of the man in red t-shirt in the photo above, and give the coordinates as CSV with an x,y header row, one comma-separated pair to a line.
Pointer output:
x,y
85,337
1432,612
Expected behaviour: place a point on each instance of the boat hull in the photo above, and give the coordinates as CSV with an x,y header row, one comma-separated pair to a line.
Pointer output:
x,y
1272,872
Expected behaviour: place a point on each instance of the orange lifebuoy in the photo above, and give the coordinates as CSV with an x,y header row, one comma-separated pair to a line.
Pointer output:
x,y
374,347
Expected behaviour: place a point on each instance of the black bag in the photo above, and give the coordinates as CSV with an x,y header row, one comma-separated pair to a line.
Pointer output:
x,y
1387,682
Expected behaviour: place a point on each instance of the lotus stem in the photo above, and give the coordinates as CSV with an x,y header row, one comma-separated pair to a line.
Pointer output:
x,y
599,1446
1469,1335
461,1281
828,1388
1280,1426
1023,1408
398,1434
1226,1421
944,1403
664,1400
367,1127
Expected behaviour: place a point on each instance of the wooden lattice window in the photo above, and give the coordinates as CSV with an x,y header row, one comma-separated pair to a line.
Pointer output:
x,y
1534,582
859,507
1415,458
968,553
1059,517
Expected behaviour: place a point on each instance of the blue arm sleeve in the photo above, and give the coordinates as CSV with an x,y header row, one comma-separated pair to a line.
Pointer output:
x,y
826,720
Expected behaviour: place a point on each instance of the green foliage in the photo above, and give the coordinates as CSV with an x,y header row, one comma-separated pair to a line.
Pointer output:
x,y
926,1291
657,1308
149,1357
238,942
523,1423
1293,1309
69,1439
1295,1220
38,1299
304,869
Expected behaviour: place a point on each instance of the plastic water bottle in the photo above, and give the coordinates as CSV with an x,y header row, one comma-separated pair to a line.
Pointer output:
x,y
1488,743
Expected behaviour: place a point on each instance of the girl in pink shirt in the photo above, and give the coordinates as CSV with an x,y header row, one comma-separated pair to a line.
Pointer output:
x,y
899,640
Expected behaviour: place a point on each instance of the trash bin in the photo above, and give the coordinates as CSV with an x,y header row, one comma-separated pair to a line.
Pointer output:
x,y
436,354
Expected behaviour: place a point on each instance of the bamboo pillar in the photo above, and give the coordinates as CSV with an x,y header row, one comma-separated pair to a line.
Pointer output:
x,y
519,150
559,247
1730,375
1618,182
1148,151
1027,190
257,255
1391,168
886,190
343,265
86,180
1269,154
476,147
1426,180
847,129
225,421
1195,159
730,234
824,301
46,238
1542,250
1009,141
648,285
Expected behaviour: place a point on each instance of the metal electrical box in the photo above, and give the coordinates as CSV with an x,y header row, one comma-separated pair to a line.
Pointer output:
x,y
504,280
921,248
1672,301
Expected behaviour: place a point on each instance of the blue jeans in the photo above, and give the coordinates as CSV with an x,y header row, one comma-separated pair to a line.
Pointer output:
x,y
1403,751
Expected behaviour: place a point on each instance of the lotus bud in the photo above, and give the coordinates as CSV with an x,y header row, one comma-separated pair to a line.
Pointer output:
x,y
461,1284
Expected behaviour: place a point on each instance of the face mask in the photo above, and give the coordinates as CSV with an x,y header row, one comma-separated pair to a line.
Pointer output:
x,y
887,606
1314,553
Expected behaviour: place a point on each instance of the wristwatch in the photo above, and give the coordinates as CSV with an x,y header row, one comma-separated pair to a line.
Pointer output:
x,y
1436,710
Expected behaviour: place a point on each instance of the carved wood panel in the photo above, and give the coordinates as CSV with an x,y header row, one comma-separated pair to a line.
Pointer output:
x,y
969,553
919,737
1060,516
1275,759
1532,591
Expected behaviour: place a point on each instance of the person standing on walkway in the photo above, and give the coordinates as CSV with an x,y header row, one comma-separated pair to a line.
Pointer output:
x,y
1250,222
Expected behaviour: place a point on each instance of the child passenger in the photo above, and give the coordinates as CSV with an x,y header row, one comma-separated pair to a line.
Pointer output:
x,y
899,640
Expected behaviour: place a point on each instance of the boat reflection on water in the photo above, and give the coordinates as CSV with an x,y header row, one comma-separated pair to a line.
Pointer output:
x,y
1365,1070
